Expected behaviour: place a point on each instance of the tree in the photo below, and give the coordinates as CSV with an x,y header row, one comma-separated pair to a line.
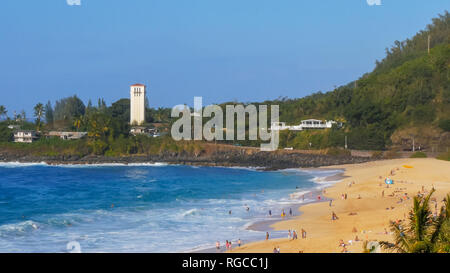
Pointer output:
x,y
121,110
99,126
49,113
68,108
23,115
98,130
6,134
39,113
79,121
3,111
423,234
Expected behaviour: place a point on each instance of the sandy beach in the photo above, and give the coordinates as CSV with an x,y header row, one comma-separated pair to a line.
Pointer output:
x,y
366,212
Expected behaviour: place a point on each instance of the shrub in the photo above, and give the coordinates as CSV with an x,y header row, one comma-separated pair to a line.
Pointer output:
x,y
419,155
377,154
391,154
444,156
444,124
338,152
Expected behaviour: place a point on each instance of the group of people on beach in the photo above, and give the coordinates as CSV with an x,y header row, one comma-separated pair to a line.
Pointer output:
x,y
228,244
293,235
283,213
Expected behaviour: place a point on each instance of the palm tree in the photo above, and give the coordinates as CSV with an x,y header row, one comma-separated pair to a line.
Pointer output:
x,y
39,113
98,126
3,111
23,116
441,237
79,121
424,233
159,114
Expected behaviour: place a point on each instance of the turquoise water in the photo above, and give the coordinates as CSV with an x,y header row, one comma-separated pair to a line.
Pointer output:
x,y
140,208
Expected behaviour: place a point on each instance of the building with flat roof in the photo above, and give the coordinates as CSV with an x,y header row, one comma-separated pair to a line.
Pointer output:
x,y
25,136
67,135
305,124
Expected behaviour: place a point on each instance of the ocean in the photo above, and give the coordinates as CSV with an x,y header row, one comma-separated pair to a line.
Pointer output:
x,y
143,207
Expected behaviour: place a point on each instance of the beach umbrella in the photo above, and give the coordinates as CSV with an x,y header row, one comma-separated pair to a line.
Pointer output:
x,y
389,181
374,247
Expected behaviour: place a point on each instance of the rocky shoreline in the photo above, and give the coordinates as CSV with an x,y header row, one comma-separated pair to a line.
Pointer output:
x,y
232,158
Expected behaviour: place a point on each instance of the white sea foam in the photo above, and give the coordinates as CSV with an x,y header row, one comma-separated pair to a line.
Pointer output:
x,y
18,228
21,164
156,164
83,165
190,212
250,168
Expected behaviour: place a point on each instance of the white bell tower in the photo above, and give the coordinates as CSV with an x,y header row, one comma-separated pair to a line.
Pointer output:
x,y
137,104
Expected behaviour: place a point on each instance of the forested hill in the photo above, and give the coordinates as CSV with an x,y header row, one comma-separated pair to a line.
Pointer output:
x,y
406,95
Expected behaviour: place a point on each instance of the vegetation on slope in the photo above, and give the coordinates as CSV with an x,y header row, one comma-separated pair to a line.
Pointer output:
x,y
406,96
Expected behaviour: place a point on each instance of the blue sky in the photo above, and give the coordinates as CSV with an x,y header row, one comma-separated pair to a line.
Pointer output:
x,y
245,50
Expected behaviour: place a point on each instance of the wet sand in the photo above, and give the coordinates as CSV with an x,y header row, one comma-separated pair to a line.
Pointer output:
x,y
267,225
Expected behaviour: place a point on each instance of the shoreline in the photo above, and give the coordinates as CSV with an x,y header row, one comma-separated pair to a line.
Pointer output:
x,y
366,211
267,225
222,156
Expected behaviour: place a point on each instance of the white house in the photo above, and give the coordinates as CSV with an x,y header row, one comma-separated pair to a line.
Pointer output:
x,y
67,135
25,136
304,125
137,130
137,104
316,124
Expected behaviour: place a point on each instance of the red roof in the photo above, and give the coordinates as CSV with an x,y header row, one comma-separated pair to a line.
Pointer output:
x,y
138,84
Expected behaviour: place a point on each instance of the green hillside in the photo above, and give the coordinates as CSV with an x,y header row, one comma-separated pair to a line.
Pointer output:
x,y
404,100
408,91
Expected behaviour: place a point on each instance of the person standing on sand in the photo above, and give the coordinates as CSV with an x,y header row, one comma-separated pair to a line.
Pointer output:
x,y
290,212
218,245
239,243
331,201
267,236
270,213
334,216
